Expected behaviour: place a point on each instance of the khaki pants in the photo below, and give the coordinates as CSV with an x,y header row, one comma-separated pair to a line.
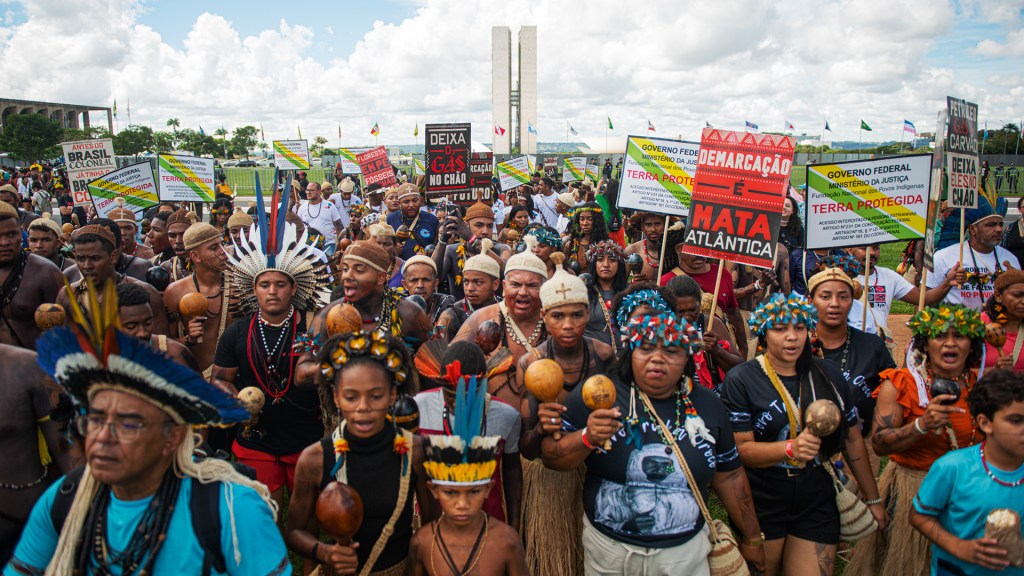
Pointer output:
x,y
603,556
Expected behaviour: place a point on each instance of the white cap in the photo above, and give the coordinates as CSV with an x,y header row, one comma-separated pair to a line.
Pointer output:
x,y
562,288
527,260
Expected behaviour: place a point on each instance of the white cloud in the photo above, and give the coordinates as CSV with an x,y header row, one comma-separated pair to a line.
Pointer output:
x,y
674,64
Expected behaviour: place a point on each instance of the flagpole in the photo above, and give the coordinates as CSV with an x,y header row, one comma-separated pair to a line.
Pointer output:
x,y
903,136
984,138
1016,147
567,135
860,140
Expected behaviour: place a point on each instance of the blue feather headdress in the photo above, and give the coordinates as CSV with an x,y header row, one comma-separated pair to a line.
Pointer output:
x,y
92,354
465,458
271,244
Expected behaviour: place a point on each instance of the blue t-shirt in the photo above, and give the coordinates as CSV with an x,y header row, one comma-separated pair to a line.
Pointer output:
x,y
959,493
423,235
259,540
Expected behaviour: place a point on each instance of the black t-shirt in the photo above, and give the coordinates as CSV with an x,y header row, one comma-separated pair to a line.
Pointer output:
x,y
755,406
290,423
867,356
641,497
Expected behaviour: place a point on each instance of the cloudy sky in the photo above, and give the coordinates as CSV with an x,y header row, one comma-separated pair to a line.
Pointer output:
x,y
318,65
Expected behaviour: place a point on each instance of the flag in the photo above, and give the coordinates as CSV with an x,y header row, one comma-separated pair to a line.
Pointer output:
x,y
201,132
339,131
129,107
115,107
708,124
826,126
650,127
908,126
263,135
789,125
300,131
751,125
610,127
864,126
499,130
572,130
986,121
375,130
416,130
530,128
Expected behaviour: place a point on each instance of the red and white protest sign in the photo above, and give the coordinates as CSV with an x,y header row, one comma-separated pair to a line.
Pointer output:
x,y
739,190
376,167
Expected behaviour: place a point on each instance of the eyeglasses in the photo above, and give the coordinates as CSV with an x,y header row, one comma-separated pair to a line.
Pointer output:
x,y
124,431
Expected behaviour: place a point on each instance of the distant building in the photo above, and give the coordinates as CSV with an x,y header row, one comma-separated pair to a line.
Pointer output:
x,y
67,115
514,107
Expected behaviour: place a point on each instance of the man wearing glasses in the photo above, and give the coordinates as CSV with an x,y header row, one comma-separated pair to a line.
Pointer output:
x,y
138,505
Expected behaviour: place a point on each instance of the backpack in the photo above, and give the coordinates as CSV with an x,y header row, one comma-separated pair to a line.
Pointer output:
x,y
204,505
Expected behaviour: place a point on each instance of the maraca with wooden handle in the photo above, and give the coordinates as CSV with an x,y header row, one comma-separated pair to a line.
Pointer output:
x,y
339,509
822,418
599,394
544,379
995,335
194,305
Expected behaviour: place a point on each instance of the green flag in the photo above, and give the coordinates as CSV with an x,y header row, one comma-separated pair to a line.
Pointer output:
x,y
864,126
610,127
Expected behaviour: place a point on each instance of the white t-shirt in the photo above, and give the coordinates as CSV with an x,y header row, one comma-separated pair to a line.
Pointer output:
x,y
343,205
886,287
501,420
322,217
970,295
545,206
855,316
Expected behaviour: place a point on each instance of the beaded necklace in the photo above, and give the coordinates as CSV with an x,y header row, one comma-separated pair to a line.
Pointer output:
x,y
474,554
984,463
267,358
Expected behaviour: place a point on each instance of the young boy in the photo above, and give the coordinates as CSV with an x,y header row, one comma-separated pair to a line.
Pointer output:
x,y
965,485
465,540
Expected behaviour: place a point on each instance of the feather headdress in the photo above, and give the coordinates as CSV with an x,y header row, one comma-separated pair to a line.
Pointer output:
x,y
92,354
272,244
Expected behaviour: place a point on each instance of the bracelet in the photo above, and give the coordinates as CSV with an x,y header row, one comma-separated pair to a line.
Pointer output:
x,y
917,426
873,501
789,449
583,437
759,541
315,546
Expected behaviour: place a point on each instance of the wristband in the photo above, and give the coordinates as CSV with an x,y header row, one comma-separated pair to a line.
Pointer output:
x,y
873,501
759,541
757,285
789,449
917,426
583,437
315,546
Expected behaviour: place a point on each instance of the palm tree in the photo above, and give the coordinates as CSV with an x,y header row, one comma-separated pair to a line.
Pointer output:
x,y
174,123
222,133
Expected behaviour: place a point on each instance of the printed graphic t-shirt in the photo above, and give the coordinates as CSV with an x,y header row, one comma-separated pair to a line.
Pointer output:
x,y
640,496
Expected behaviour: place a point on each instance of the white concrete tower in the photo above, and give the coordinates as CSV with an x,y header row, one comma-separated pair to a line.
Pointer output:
x,y
501,89
527,89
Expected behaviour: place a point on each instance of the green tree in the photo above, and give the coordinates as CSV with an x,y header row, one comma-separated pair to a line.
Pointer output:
x,y
243,140
174,123
199,144
317,149
164,141
28,136
134,140
90,133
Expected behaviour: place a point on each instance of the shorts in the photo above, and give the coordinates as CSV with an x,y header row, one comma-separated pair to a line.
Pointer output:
x,y
803,506
274,471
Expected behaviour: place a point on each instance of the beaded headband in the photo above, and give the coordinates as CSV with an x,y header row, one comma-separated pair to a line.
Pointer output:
x,y
848,264
664,329
606,248
631,302
372,344
792,309
934,322
545,236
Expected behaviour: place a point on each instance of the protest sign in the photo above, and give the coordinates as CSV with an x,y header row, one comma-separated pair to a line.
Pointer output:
x,y
291,154
934,198
514,172
481,172
87,160
186,178
550,164
349,164
419,169
135,184
867,202
962,170
592,174
532,161
962,153
739,189
657,175
574,168
448,149
376,167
